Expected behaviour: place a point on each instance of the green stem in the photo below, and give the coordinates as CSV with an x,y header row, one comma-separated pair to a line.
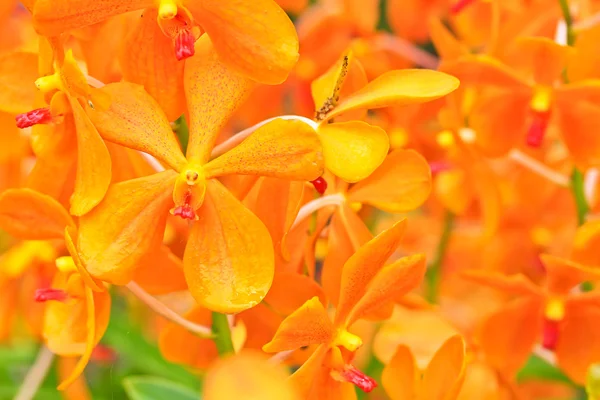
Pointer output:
x,y
566,11
434,276
579,195
183,132
222,333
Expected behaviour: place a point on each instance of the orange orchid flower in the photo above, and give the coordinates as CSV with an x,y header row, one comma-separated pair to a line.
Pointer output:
x,y
551,312
237,29
442,378
366,287
228,262
521,102
77,307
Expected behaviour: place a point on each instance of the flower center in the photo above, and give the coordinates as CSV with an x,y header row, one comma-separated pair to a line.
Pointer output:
x,y
49,294
348,340
352,375
188,194
553,315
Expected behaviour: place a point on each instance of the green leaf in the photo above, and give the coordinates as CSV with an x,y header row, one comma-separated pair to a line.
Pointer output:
x,y
538,369
155,388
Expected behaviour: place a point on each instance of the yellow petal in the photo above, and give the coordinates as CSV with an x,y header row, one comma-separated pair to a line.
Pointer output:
x,y
248,375
148,59
362,267
445,373
400,377
93,164
281,149
308,325
400,184
136,121
397,88
391,281
213,93
256,38
52,17
18,72
117,233
353,150
27,214
228,261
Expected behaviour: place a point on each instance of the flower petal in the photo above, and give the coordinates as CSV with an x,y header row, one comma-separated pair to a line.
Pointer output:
x,y
397,88
578,121
27,214
400,184
353,150
400,376
282,149
256,38
362,267
18,72
445,373
485,70
213,93
136,121
585,244
248,375
290,290
93,164
229,260
160,272
516,284
53,17
148,59
308,325
391,281
546,58
563,275
110,240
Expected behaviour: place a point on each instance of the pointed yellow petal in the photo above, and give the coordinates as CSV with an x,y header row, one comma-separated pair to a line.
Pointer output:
x,y
52,17
308,325
400,184
400,376
213,93
93,164
399,87
228,261
117,233
281,149
255,37
364,265
391,282
446,371
136,121
353,150
27,214
18,72
148,59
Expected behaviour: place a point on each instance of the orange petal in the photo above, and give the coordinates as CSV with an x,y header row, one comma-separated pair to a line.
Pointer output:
x,y
452,189
160,272
52,17
353,150
180,346
508,335
563,275
148,59
255,38
248,375
18,72
136,121
445,373
90,282
27,214
290,291
401,376
546,58
362,267
400,184
93,164
485,70
213,93
516,284
110,243
391,281
228,261
281,149
585,244
396,88
446,44
308,325
578,121
577,347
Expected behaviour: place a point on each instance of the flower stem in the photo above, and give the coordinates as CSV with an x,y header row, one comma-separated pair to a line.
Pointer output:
x,y
566,11
433,276
36,375
222,334
577,187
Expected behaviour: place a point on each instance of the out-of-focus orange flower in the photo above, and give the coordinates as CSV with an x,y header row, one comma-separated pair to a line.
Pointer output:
x,y
367,286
